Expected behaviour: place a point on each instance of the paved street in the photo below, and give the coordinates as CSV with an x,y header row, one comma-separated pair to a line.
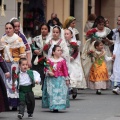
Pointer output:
x,y
87,106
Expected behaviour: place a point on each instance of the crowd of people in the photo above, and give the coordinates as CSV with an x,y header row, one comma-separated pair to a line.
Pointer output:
x,y
53,60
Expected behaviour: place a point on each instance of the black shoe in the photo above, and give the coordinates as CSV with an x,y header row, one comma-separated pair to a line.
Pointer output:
x,y
55,110
20,116
30,115
14,108
98,92
74,95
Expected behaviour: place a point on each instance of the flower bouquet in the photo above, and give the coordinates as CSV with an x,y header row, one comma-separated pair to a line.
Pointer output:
x,y
48,66
14,78
74,45
91,33
46,48
41,60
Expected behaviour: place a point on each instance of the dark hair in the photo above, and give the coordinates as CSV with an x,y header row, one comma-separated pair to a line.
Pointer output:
x,y
58,21
15,20
54,48
10,24
98,20
46,26
92,17
97,43
56,26
21,60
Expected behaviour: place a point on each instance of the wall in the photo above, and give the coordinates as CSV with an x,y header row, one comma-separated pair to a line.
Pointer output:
x,y
60,7
117,11
108,10
11,11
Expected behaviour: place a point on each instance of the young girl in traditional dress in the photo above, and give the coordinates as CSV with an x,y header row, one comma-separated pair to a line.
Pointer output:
x,y
19,32
57,40
37,49
55,90
98,72
75,68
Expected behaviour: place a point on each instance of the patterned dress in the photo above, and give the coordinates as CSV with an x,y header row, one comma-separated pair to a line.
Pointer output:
x,y
89,45
98,72
55,92
77,79
39,67
12,48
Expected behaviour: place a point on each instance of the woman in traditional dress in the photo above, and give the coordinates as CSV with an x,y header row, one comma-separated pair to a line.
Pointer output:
x,y
4,105
55,90
70,24
39,55
12,49
100,32
17,27
77,79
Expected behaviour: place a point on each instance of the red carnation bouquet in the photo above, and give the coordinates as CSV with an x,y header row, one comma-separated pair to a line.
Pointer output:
x,y
91,33
74,45
14,78
46,48
41,60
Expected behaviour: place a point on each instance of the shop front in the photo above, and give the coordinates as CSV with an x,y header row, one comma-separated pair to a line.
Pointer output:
x,y
33,16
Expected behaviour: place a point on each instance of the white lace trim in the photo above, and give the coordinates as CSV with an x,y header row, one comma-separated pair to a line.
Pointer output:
x,y
54,60
104,33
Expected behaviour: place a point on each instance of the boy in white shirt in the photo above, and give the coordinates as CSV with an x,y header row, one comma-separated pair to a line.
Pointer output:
x,y
26,80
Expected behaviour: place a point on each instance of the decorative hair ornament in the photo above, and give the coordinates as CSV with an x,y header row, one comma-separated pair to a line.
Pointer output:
x,y
69,20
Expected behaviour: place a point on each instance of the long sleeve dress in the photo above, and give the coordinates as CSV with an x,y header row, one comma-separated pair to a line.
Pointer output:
x,y
115,77
98,72
38,43
65,51
12,48
77,79
4,106
55,90
89,45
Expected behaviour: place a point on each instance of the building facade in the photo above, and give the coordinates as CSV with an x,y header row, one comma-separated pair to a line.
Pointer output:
x,y
32,12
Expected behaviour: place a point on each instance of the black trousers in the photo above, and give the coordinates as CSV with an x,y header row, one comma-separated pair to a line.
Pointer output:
x,y
29,101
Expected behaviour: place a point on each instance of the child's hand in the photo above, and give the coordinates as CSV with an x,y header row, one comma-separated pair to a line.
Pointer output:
x,y
36,82
37,52
71,59
113,57
51,73
67,82
7,75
